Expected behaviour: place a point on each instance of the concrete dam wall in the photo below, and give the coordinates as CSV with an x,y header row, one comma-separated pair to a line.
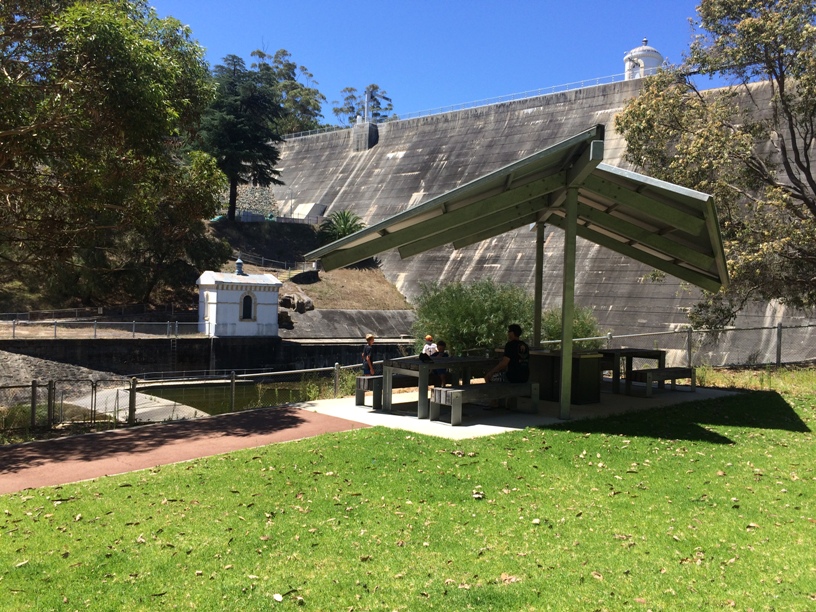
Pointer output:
x,y
377,171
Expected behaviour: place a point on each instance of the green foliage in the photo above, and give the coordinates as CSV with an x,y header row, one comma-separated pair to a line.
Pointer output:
x,y
95,100
348,382
339,224
471,315
373,105
240,128
749,148
584,325
300,102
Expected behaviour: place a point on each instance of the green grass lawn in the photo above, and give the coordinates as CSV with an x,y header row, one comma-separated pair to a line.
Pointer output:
x,y
707,505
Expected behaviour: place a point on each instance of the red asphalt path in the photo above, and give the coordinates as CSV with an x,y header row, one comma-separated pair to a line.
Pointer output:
x,y
64,460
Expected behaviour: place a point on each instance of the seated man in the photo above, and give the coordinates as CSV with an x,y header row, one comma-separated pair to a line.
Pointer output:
x,y
515,361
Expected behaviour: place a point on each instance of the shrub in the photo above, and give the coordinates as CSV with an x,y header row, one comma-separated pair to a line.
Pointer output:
x,y
584,325
471,315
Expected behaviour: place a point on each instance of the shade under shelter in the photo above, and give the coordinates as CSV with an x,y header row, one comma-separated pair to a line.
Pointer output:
x,y
665,226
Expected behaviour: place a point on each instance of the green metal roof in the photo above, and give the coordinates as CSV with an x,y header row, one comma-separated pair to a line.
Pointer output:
x,y
660,224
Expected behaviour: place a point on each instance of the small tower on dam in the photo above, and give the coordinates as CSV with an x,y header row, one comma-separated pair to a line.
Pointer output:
x,y
642,61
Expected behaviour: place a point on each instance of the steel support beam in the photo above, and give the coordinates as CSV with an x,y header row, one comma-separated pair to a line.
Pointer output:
x,y
568,300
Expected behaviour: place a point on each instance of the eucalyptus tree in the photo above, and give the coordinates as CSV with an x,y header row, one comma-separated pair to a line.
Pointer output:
x,y
301,102
95,98
374,104
750,144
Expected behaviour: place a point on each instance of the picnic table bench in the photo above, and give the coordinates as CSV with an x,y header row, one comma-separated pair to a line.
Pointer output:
x,y
420,372
375,385
611,359
456,396
651,375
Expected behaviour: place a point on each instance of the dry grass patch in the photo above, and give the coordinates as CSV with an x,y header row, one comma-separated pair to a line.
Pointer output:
x,y
350,289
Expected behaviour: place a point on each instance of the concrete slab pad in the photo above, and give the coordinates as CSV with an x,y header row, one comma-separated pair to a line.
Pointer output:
x,y
478,420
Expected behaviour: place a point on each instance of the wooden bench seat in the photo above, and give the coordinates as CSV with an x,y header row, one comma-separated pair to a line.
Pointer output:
x,y
651,375
456,396
375,385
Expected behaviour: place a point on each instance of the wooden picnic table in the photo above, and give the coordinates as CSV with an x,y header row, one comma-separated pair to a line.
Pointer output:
x,y
414,366
612,358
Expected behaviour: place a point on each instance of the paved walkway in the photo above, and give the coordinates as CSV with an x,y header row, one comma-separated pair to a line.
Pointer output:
x,y
56,462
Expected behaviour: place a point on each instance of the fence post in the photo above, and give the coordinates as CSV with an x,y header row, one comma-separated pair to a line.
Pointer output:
x,y
336,379
55,328
93,401
688,345
778,344
94,329
51,398
168,329
232,391
176,329
132,402
134,329
14,328
33,404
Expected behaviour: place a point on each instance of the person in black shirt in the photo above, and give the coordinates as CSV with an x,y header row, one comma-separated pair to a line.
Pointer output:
x,y
515,361
369,356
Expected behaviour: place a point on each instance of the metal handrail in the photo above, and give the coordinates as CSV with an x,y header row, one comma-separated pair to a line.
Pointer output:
x,y
535,93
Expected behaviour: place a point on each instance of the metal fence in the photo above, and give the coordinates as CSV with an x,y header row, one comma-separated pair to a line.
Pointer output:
x,y
168,396
731,347
613,78
88,312
290,267
120,401
61,328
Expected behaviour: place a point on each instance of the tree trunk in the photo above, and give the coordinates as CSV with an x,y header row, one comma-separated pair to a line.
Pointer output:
x,y
233,198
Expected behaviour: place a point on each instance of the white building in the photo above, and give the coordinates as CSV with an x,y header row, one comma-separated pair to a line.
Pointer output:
x,y
238,304
642,61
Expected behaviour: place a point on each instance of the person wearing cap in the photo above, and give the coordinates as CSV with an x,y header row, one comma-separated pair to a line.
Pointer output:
x,y
515,360
430,348
369,356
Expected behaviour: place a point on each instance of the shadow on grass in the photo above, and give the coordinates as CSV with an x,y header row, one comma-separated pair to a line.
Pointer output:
x,y
143,439
691,421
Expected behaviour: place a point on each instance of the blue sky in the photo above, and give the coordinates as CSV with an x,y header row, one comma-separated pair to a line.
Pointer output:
x,y
433,54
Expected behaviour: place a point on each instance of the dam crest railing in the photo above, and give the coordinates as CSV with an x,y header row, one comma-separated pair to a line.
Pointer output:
x,y
534,93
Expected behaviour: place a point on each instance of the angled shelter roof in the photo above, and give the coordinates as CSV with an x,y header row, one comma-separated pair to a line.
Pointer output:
x,y
660,224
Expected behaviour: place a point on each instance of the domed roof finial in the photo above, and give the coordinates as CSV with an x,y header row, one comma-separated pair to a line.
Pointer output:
x,y
642,61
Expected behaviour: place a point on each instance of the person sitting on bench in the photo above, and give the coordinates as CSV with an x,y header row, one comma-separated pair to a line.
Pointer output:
x,y
439,376
515,362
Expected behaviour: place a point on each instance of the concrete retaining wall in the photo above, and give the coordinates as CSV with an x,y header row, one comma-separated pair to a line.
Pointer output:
x,y
137,357
416,159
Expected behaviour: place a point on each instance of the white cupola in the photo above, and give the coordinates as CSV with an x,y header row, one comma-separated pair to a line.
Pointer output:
x,y
642,61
